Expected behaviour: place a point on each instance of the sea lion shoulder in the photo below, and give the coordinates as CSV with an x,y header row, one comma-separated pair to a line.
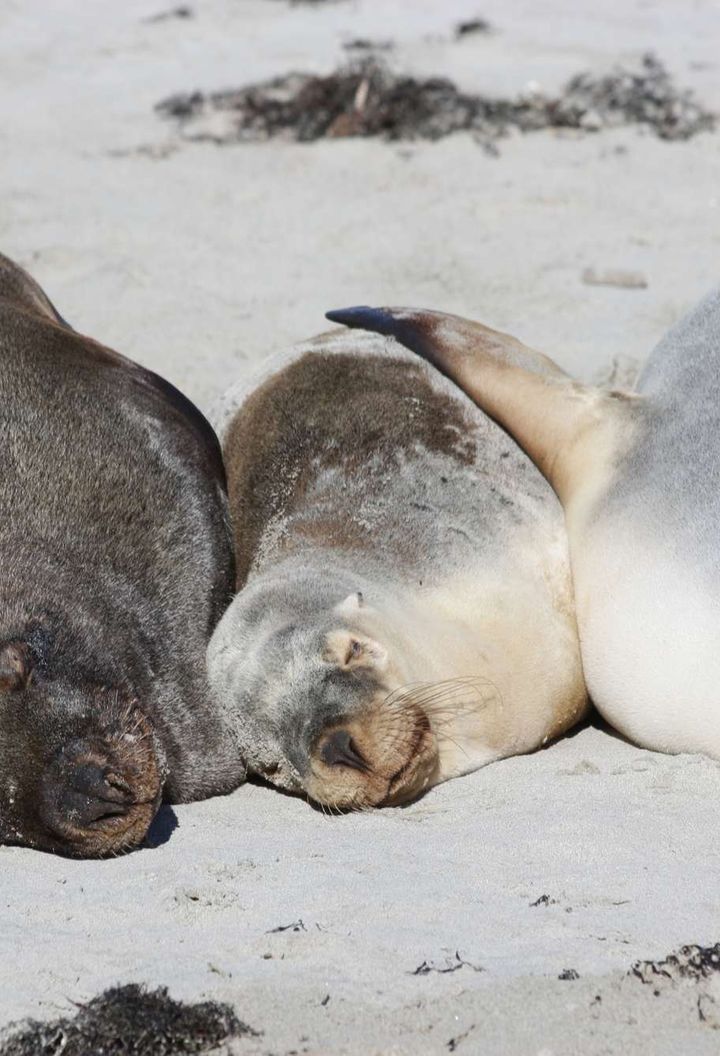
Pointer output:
x,y
29,313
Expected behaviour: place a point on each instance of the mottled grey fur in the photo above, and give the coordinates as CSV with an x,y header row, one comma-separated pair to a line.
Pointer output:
x,y
115,553
670,476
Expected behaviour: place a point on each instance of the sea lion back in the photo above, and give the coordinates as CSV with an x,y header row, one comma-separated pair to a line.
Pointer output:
x,y
668,482
357,438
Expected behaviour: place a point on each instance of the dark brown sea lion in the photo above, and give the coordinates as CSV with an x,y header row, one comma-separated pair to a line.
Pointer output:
x,y
115,565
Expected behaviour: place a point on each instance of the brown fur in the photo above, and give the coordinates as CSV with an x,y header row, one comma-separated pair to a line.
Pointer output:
x,y
398,561
400,748
258,453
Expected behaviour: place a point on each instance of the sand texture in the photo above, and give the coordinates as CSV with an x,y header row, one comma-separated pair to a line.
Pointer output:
x,y
501,914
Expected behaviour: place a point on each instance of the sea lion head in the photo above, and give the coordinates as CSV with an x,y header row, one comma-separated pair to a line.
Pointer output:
x,y
79,770
320,708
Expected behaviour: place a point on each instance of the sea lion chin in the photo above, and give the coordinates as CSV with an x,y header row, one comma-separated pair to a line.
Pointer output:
x,y
404,610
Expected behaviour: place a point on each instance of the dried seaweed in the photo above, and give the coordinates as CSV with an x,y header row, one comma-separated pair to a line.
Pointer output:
x,y
181,12
568,975
450,965
472,26
690,962
130,1021
366,98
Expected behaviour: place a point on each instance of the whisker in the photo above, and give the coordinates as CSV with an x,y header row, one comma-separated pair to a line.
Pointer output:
x,y
459,747
443,699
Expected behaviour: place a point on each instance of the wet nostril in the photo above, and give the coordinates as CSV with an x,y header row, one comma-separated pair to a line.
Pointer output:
x,y
101,784
339,749
116,782
83,796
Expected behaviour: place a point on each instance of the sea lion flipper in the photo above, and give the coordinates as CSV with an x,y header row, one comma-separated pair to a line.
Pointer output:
x,y
546,411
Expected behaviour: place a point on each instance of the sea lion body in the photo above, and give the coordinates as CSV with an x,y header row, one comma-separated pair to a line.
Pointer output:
x,y
116,565
404,611
648,567
639,477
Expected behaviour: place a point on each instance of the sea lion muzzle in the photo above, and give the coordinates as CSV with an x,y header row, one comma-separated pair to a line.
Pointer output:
x,y
383,755
100,798
84,773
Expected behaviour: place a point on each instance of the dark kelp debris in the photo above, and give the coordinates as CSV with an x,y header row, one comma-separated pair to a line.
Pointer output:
x,y
365,98
544,900
297,925
452,964
690,962
130,1021
454,1043
472,26
182,12
363,44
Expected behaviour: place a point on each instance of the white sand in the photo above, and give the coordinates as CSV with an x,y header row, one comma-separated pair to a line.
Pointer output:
x,y
200,262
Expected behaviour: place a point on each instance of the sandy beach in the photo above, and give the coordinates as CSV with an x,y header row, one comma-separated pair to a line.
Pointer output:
x,y
504,911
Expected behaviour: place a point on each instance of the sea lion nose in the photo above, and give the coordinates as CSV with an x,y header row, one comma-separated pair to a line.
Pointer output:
x,y
93,792
97,798
339,749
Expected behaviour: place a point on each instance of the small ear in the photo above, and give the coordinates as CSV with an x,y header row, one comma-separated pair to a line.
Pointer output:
x,y
351,652
351,604
15,666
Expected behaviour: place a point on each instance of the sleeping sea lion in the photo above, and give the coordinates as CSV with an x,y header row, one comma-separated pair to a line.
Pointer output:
x,y
116,565
639,476
405,609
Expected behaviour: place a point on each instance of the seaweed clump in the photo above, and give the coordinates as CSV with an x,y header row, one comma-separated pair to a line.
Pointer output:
x,y
690,962
130,1021
366,98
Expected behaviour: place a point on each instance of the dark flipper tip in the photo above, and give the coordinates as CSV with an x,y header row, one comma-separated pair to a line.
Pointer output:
x,y
362,317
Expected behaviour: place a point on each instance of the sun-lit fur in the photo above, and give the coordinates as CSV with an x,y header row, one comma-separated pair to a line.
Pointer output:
x,y
639,477
405,610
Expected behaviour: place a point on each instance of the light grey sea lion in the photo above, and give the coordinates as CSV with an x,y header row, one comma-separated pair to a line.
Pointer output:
x,y
115,565
405,609
639,477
